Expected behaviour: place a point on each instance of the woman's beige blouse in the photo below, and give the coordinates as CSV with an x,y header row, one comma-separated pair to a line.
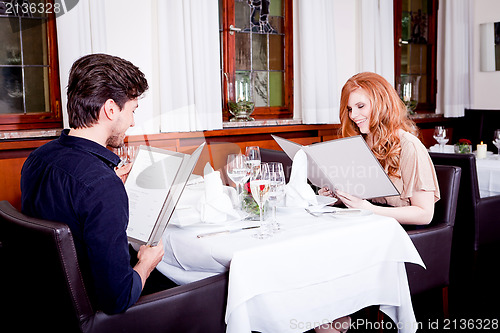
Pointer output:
x,y
417,173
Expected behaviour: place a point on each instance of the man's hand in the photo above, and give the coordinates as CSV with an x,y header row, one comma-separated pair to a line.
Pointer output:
x,y
149,257
123,171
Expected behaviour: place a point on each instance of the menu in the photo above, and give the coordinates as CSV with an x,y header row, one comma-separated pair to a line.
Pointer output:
x,y
346,164
154,186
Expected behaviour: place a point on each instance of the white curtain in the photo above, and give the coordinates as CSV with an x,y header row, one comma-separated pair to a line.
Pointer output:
x,y
454,57
376,42
189,62
315,76
80,31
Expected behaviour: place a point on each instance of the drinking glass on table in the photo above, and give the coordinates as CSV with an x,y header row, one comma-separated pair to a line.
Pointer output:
x,y
441,136
276,190
496,141
259,186
238,171
253,157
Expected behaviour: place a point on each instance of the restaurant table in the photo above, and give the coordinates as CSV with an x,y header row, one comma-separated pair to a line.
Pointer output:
x,y
488,175
488,171
316,269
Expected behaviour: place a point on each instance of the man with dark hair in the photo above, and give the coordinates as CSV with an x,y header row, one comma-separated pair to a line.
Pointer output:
x,y
72,180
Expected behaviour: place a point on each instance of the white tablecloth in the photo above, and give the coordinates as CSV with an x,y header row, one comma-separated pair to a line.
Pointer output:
x,y
488,174
488,171
314,271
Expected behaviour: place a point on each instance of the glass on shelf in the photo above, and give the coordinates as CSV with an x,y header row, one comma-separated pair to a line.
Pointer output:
x,y
496,141
408,88
243,106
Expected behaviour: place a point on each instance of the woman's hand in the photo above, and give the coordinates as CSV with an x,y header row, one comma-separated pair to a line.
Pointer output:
x,y
352,201
325,191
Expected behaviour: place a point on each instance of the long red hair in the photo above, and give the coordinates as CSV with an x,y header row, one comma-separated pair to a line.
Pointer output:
x,y
388,116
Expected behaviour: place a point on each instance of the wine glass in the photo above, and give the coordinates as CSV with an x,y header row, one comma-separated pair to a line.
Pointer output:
x,y
253,157
259,186
276,190
496,141
238,170
441,136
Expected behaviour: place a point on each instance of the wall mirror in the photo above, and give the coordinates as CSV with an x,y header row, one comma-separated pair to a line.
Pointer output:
x,y
489,42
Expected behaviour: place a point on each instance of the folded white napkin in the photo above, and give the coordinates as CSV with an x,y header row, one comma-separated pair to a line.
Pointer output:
x,y
298,192
215,205
447,149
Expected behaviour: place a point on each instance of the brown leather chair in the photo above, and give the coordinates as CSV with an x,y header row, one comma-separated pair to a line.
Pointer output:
x,y
434,240
42,288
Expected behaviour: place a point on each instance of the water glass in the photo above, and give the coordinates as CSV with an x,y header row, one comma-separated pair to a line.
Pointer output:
x,y
238,171
259,185
253,157
276,190
441,136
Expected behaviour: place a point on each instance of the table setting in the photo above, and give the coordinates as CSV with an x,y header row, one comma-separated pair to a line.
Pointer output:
x,y
487,162
317,263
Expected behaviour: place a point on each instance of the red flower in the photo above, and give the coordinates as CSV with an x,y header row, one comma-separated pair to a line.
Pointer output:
x,y
247,187
463,141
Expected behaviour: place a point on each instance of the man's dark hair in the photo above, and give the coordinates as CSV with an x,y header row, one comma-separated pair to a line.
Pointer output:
x,y
94,79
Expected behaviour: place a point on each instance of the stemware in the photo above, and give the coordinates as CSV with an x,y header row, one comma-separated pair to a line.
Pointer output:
x,y
259,185
253,157
441,136
496,141
238,171
126,154
276,190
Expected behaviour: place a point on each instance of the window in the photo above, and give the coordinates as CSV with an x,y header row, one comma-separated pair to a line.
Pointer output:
x,y
415,34
256,53
29,78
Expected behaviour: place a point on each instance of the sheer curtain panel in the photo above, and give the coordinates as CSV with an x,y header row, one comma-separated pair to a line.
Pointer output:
x,y
454,57
189,65
376,43
316,92
81,31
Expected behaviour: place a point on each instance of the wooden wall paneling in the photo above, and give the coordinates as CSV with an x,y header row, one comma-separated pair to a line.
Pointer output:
x,y
10,180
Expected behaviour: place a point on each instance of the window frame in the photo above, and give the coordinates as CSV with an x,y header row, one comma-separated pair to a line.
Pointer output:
x,y
431,92
42,120
228,65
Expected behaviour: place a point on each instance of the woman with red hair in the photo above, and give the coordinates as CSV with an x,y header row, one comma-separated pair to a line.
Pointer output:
x,y
370,106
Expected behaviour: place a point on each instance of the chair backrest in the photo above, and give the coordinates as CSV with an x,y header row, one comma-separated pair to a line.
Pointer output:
x,y
449,178
468,196
41,276
271,155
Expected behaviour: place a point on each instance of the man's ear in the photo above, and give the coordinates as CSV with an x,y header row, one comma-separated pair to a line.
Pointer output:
x,y
110,109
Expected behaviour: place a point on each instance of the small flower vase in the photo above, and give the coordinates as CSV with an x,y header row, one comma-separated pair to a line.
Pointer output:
x,y
463,148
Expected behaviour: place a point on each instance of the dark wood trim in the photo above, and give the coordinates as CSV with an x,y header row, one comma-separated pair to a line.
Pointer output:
x,y
50,119
284,112
431,85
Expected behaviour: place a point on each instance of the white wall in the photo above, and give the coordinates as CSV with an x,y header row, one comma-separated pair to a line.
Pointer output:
x,y
485,85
